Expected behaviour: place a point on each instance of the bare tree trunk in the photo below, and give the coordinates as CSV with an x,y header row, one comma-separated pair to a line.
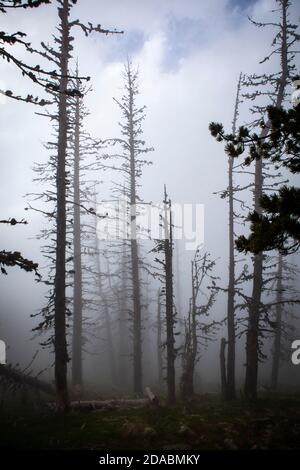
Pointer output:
x,y
159,343
169,306
187,381
77,292
122,323
110,347
280,97
60,343
137,320
277,339
230,382
132,163
252,346
223,368
109,336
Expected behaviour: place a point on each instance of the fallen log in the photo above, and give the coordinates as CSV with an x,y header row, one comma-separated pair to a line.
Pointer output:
x,y
109,404
18,377
120,404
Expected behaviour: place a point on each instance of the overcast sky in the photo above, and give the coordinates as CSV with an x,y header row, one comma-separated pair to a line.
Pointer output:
x,y
190,54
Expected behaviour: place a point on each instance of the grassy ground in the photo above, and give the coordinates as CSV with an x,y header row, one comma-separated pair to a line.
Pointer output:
x,y
207,423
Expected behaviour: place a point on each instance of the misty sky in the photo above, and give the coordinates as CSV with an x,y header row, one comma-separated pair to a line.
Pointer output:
x,y
190,54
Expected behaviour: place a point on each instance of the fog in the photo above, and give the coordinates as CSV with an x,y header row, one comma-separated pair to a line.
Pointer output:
x,y
189,56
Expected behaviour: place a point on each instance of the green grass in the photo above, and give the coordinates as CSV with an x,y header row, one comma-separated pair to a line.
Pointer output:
x,y
206,423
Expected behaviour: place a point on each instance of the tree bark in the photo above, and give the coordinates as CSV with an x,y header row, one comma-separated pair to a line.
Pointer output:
x,y
122,324
159,343
230,382
223,368
252,346
169,307
77,292
137,320
277,339
108,328
60,343
187,380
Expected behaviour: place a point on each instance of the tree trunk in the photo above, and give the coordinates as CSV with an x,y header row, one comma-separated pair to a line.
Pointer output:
x,y
277,339
223,368
169,308
280,97
122,404
109,336
159,343
137,320
187,380
230,382
122,324
60,343
77,292
252,346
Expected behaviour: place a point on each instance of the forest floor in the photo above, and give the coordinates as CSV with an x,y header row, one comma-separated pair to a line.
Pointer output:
x,y
205,423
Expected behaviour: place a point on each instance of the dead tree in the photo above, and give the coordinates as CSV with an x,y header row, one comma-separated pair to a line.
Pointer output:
x,y
223,368
131,166
164,246
18,40
278,327
115,295
273,86
65,44
170,315
123,315
197,329
82,149
284,46
61,84
108,322
236,280
231,325
58,82
159,340
77,250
